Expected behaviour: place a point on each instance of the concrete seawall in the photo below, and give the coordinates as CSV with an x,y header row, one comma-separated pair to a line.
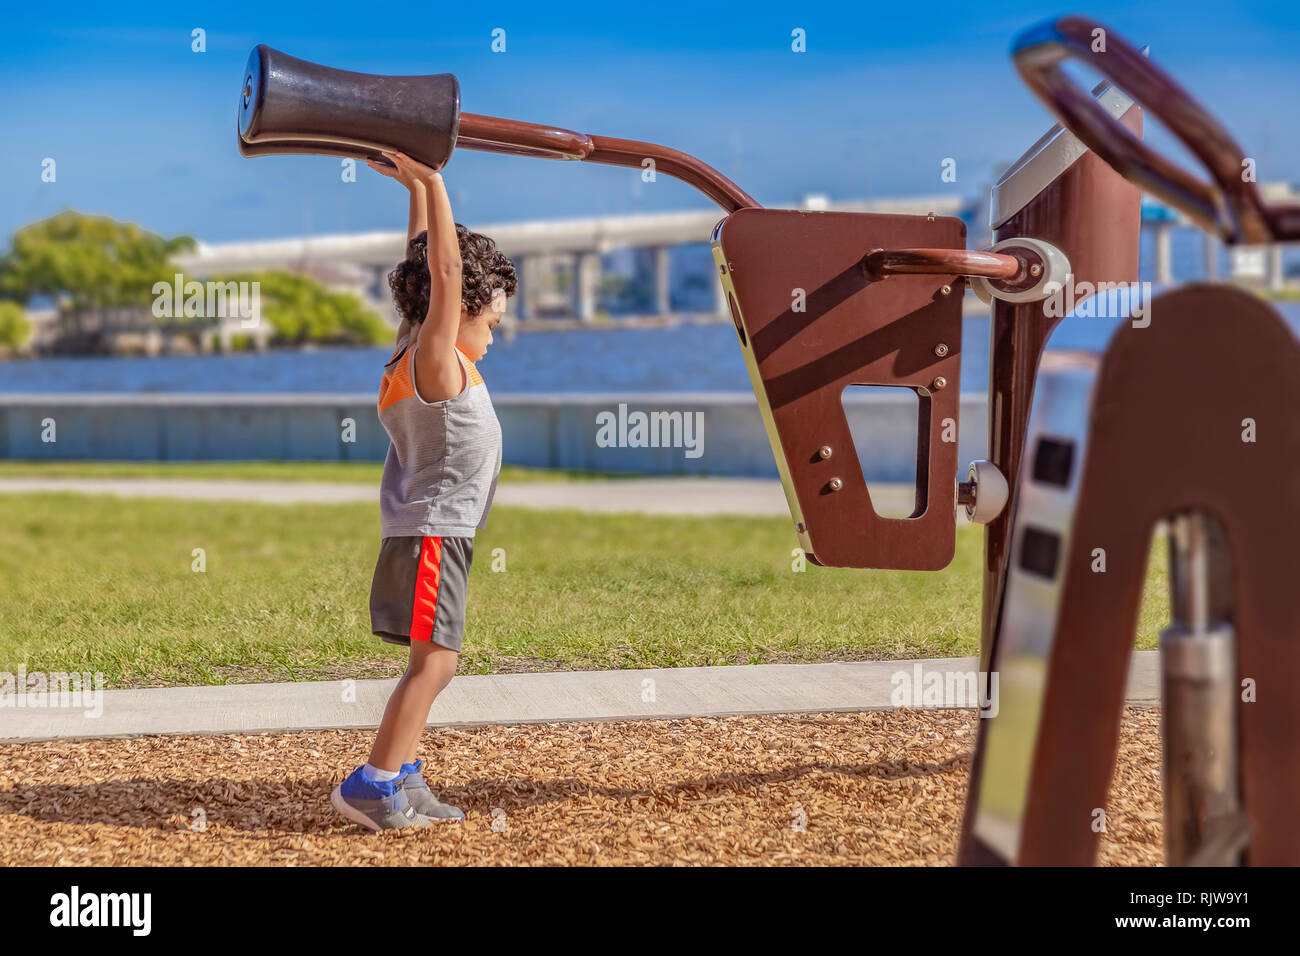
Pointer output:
x,y
558,430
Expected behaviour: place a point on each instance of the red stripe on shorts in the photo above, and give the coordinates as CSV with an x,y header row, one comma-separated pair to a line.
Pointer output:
x,y
426,589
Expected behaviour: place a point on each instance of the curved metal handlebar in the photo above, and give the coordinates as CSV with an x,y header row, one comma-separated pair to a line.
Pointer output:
x,y
494,134
1228,206
881,263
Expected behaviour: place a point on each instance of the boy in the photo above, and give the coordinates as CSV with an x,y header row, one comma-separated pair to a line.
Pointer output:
x,y
437,488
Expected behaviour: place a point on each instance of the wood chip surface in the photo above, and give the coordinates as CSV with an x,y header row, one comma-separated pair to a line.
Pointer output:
x,y
877,788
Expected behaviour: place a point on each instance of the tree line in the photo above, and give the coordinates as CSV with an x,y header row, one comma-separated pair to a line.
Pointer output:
x,y
82,262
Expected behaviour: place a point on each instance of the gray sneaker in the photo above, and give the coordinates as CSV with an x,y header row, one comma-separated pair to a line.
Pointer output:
x,y
376,805
422,798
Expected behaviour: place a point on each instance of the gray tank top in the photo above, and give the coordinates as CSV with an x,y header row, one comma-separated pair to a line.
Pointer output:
x,y
444,458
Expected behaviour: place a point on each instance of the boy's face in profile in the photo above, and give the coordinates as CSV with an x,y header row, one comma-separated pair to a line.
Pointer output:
x,y
475,333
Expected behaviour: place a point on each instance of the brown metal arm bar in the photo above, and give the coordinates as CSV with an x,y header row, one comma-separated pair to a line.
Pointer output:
x,y
1227,206
880,263
514,137
518,138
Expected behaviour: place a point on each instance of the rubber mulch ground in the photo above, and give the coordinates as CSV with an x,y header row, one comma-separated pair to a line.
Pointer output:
x,y
859,789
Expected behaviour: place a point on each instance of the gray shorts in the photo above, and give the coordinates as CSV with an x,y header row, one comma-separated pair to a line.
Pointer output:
x,y
419,590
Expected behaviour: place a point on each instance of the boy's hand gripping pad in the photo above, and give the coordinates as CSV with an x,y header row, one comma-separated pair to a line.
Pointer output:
x,y
900,331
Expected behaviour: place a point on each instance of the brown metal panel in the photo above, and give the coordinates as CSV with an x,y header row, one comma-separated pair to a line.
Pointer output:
x,y
854,331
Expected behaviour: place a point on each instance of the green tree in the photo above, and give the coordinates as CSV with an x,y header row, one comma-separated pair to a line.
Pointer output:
x,y
300,309
84,261
14,327
89,262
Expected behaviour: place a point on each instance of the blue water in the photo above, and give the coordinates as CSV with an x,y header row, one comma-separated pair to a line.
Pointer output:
x,y
684,358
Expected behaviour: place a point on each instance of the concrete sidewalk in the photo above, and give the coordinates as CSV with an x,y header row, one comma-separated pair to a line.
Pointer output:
x,y
508,699
684,496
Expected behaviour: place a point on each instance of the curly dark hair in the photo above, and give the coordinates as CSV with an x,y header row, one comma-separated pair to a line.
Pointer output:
x,y
484,270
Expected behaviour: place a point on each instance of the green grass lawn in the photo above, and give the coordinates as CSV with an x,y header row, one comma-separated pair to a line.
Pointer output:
x,y
105,584
361,472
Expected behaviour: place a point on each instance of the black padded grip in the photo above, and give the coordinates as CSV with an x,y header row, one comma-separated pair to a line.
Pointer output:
x,y
289,106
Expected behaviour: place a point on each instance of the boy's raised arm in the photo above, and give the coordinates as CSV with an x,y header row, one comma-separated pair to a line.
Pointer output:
x,y
438,370
417,214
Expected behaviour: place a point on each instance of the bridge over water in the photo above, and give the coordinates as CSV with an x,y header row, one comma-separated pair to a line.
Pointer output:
x,y
559,261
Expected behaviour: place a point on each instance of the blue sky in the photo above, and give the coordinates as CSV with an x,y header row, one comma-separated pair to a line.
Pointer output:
x,y
144,129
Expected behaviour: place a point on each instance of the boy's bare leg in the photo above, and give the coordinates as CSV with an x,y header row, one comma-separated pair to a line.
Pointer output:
x,y
430,669
447,671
